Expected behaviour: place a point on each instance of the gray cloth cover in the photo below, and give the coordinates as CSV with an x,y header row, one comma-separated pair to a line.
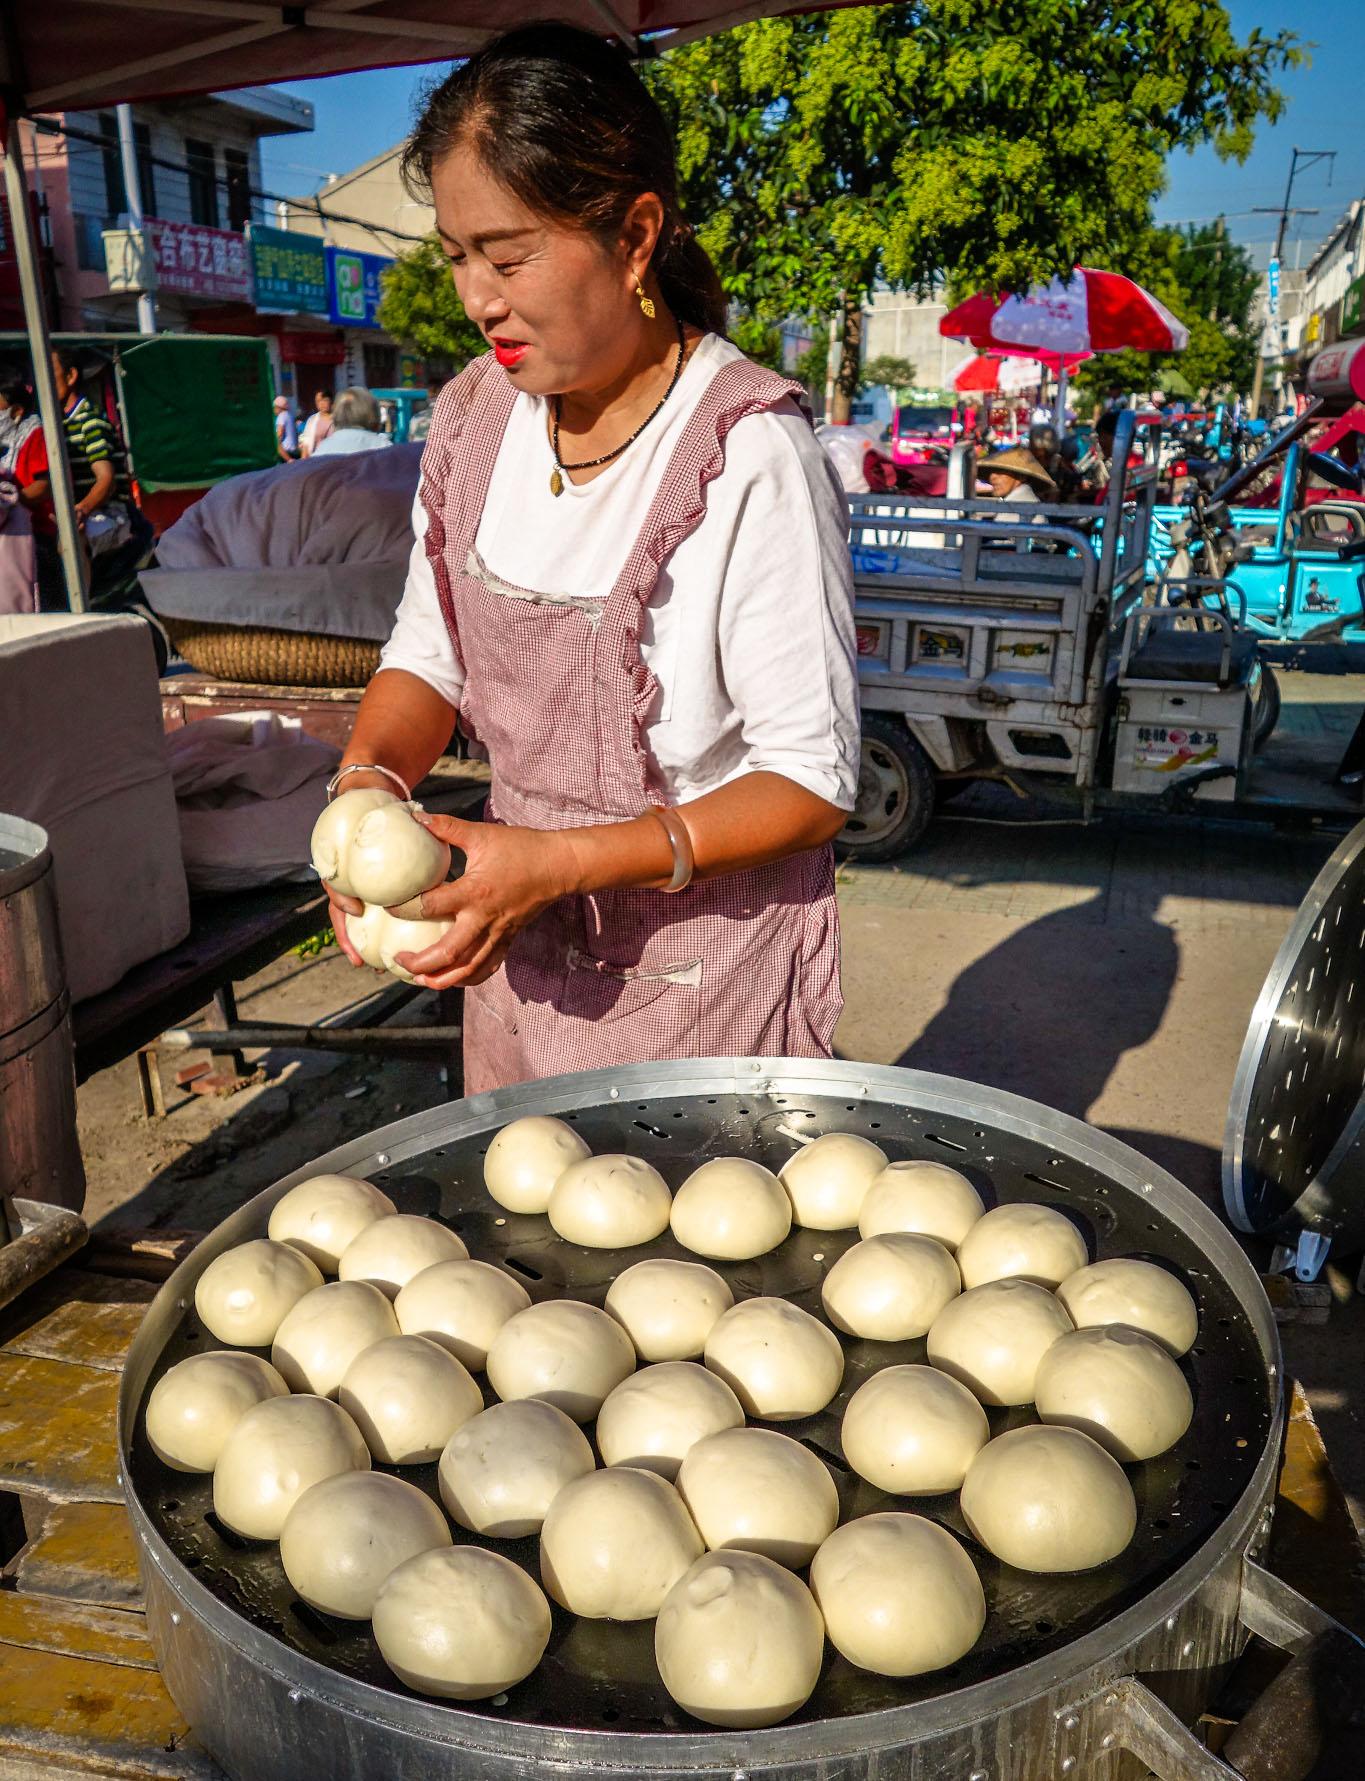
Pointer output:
x,y
85,757
319,546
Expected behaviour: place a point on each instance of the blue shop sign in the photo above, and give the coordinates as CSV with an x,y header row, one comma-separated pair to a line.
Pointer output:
x,y
353,287
288,272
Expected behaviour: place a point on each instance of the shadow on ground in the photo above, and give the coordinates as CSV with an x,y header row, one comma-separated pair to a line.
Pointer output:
x,y
1049,1012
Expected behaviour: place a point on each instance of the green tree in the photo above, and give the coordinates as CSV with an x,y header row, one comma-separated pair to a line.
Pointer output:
x,y
947,140
896,374
758,339
1207,282
418,306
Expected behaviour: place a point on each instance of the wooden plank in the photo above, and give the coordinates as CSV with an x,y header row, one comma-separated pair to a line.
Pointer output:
x,y
79,1717
78,1316
83,1553
57,1434
146,1255
75,1629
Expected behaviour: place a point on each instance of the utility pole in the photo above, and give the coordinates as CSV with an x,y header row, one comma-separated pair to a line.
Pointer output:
x,y
1299,158
132,188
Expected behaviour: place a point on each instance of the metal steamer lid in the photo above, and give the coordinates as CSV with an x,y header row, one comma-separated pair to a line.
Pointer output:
x,y
1294,1147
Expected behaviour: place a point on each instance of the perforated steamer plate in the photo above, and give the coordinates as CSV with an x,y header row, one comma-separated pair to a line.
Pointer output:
x,y
601,1676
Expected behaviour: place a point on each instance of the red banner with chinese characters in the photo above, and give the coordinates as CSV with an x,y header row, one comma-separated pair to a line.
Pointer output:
x,y
196,261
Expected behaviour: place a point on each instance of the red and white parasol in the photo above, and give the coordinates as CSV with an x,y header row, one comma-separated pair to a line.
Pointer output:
x,y
1063,322
978,373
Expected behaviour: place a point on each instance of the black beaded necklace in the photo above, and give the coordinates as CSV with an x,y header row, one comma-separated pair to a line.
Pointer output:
x,y
557,474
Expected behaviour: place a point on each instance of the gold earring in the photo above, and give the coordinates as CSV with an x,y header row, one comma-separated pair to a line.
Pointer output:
x,y
646,303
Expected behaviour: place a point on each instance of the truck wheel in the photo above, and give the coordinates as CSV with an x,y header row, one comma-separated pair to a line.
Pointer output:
x,y
895,794
1267,712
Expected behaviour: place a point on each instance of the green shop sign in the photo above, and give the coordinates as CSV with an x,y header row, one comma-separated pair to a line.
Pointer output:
x,y
288,272
1353,306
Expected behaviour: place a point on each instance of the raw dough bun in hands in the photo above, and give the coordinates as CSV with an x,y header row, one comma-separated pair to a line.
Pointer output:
x,y
1117,1386
925,1198
668,1308
610,1202
993,1337
324,1333
780,1362
408,1396
462,1305
1138,1293
828,1179
379,936
753,1490
891,1288
614,1544
653,1418
739,1641
334,832
913,1431
323,1216
898,1594
1049,1499
391,1251
276,1451
344,1536
196,1405
461,1623
731,1209
527,1157
1021,1242
501,1471
244,1295
565,1353
393,857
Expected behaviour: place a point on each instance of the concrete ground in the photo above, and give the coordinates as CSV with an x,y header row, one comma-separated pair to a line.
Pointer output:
x,y
1108,971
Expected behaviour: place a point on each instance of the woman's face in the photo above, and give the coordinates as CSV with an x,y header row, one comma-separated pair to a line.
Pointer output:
x,y
1001,483
556,305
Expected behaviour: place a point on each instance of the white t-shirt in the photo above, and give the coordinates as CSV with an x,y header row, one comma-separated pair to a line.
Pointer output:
x,y
750,628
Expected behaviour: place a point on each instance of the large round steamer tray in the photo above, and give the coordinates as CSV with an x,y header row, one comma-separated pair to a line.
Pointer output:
x,y
1294,1149
276,1689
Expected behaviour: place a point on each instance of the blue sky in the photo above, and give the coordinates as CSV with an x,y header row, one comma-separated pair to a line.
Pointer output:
x,y
360,115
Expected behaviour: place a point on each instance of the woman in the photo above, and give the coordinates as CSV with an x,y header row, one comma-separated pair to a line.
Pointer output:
x,y
318,425
357,425
18,420
1016,475
632,582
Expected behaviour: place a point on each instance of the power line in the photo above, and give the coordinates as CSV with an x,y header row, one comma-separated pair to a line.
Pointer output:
x,y
50,127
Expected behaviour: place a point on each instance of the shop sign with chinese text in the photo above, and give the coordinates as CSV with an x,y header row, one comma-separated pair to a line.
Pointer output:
x,y
196,261
353,287
288,272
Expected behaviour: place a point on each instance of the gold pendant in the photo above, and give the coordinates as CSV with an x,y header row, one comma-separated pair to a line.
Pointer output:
x,y
556,482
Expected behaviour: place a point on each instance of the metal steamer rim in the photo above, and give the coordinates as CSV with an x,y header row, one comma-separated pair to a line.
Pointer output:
x,y
1200,1507
1292,1148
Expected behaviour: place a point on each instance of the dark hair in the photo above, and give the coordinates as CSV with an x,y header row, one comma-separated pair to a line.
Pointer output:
x,y
564,121
16,392
1041,430
66,358
1108,422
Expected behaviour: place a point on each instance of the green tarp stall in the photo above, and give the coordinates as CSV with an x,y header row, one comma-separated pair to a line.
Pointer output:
x,y
197,408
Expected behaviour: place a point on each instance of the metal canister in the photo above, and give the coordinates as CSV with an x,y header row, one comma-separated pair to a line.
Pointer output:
x,y
40,1156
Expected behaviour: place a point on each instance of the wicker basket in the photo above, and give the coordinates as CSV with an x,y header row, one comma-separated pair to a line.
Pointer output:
x,y
273,658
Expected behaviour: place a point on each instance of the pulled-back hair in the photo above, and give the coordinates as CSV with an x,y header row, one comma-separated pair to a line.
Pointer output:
x,y
562,119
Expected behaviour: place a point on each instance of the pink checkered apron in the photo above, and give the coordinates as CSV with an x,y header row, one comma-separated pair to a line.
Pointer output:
x,y
557,693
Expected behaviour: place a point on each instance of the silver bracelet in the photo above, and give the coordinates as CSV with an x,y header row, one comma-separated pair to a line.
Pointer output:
x,y
366,767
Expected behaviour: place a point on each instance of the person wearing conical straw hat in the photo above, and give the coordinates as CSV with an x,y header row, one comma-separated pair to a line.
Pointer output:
x,y
1016,475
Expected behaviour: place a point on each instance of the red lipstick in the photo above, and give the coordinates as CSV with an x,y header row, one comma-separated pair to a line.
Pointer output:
x,y
509,352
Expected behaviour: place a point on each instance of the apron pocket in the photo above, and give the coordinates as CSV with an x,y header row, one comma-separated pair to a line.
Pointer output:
x,y
599,990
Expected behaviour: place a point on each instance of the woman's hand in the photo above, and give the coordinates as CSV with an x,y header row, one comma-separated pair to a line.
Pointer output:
x,y
340,908
510,875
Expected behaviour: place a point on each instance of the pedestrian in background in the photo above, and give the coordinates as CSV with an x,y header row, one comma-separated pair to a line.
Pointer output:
x,y
286,431
318,425
357,425
18,420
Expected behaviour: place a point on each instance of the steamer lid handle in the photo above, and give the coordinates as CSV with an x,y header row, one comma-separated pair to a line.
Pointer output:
x,y
1308,1721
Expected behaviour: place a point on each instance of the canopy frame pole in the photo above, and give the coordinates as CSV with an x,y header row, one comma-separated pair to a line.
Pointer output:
x,y
69,543
132,191
1059,412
